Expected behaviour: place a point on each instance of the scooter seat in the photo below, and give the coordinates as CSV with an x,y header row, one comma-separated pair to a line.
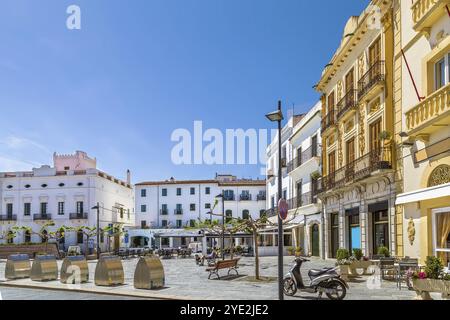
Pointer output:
x,y
315,273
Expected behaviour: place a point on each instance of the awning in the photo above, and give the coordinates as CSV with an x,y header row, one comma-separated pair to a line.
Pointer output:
x,y
424,194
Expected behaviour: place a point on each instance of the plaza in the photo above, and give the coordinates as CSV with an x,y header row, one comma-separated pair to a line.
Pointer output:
x,y
187,281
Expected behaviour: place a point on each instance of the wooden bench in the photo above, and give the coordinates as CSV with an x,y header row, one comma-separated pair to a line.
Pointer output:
x,y
231,265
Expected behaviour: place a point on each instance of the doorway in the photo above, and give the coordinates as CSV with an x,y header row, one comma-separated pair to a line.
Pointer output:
x,y
315,240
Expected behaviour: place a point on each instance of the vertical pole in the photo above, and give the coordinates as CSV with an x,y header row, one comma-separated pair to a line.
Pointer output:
x,y
98,230
280,222
223,226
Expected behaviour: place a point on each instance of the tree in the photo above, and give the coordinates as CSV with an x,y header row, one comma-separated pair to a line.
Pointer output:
x,y
43,232
112,231
88,233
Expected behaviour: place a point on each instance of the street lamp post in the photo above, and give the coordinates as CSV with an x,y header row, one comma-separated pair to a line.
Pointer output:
x,y
223,223
97,207
277,116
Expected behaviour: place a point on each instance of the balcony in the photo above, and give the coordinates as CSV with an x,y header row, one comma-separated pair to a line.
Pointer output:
x,y
261,197
78,216
42,217
164,212
361,168
178,212
245,197
308,154
229,197
272,212
348,102
430,114
8,218
371,81
305,200
425,13
328,121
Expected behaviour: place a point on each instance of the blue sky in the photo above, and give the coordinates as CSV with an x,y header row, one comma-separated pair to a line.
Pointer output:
x,y
139,69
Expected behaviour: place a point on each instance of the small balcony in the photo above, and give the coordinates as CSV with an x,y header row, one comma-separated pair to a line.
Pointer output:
x,y
328,121
372,81
308,154
229,197
78,216
164,212
245,197
272,212
425,13
347,103
42,217
430,114
361,168
178,212
8,218
304,200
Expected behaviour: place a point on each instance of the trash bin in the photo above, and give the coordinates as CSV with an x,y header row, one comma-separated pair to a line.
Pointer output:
x,y
149,273
69,270
109,271
18,266
44,268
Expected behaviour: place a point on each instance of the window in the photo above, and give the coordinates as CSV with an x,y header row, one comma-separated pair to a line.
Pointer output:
x,y
354,232
350,151
192,206
245,214
80,207
143,193
61,208
207,205
143,224
228,215
178,191
350,81
66,168
164,192
143,208
229,195
314,145
27,236
192,191
439,74
43,208
179,209
207,190
165,242
27,209
375,130
179,223
330,105
9,209
332,162
121,213
164,223
375,53
441,232
299,188
334,239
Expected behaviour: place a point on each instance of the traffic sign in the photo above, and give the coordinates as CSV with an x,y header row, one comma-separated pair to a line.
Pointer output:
x,y
283,209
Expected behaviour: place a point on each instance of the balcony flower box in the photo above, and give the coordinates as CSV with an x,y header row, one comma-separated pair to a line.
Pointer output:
x,y
423,287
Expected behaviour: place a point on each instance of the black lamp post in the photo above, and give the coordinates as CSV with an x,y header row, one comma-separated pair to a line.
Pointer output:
x,y
277,116
223,223
97,207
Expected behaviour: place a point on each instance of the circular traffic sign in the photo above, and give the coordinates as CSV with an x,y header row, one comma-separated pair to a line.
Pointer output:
x,y
283,209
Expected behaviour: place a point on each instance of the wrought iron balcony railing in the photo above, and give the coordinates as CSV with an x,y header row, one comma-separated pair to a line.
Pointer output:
x,y
371,78
78,216
178,211
305,200
8,217
42,216
261,197
361,168
245,197
348,102
164,212
229,198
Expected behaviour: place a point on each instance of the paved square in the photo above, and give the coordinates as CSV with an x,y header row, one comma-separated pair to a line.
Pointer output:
x,y
186,280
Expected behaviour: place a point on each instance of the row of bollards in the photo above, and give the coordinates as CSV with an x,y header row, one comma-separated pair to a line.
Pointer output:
x,y
149,272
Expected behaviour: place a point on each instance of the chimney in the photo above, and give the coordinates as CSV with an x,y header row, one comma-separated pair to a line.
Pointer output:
x,y
128,176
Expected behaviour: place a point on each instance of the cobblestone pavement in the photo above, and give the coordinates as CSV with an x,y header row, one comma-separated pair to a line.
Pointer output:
x,y
186,280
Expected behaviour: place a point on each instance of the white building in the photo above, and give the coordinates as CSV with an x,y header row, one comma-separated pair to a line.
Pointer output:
x,y
65,194
300,161
177,204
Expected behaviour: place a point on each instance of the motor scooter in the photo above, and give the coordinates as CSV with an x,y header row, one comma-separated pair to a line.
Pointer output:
x,y
322,281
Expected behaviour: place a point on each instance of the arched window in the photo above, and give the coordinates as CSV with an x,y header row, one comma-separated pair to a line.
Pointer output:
x,y
440,175
27,236
229,216
245,214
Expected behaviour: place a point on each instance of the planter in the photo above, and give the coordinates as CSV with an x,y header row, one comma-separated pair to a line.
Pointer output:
x,y
423,287
344,271
359,268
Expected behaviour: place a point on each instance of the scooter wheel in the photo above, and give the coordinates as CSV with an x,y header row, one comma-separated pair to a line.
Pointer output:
x,y
290,288
339,291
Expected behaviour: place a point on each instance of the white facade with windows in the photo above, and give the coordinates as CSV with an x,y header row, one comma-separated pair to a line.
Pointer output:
x,y
176,204
65,194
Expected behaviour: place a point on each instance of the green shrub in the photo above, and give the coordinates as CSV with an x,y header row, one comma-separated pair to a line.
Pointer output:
x,y
433,267
384,252
342,254
357,253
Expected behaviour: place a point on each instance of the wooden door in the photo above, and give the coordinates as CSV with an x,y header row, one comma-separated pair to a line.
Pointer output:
x,y
375,52
349,81
350,152
375,130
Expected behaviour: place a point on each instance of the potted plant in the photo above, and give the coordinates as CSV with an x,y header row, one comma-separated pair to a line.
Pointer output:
x,y
315,175
383,251
298,251
358,263
290,251
343,261
433,279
